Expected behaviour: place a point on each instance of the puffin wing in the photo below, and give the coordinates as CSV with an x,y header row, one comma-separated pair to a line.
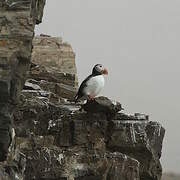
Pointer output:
x,y
80,92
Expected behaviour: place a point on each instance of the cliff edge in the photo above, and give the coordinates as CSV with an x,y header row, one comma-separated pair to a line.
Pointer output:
x,y
63,140
51,137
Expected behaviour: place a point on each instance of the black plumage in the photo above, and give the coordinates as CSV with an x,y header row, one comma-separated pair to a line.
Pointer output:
x,y
80,93
97,70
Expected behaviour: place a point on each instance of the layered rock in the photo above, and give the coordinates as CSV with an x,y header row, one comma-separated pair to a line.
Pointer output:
x,y
68,141
57,57
17,22
53,67
52,52
63,140
55,138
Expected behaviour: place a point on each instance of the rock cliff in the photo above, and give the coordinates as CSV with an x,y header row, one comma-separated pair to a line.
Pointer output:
x,y
17,22
55,139
57,56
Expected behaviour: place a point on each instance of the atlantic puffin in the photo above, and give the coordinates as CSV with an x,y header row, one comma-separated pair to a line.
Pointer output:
x,y
93,84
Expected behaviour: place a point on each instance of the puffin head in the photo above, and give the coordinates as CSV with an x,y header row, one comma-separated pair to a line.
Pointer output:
x,y
99,70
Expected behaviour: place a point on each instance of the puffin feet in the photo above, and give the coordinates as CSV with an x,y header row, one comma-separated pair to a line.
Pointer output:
x,y
91,98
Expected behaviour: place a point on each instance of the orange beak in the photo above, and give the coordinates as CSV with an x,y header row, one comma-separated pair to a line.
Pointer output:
x,y
105,71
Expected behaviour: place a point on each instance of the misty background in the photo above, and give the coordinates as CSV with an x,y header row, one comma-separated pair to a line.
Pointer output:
x,y
139,43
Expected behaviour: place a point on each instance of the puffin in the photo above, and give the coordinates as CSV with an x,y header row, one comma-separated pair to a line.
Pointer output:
x,y
93,84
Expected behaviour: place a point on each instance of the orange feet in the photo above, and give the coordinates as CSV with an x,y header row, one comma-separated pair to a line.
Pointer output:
x,y
91,98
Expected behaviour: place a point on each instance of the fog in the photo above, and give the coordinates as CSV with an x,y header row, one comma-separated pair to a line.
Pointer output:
x,y
139,43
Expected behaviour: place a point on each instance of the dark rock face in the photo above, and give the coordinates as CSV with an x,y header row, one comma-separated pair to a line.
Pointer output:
x,y
17,22
133,139
62,142
103,105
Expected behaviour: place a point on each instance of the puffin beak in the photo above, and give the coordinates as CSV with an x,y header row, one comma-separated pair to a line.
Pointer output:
x,y
105,71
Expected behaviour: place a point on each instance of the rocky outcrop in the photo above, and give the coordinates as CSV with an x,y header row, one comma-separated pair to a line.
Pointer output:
x,y
17,22
58,139
53,67
62,140
57,57
54,138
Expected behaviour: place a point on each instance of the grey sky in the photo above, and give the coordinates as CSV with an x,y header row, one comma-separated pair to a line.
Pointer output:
x,y
139,42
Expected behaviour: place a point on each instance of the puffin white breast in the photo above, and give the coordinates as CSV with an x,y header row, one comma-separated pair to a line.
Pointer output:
x,y
94,85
